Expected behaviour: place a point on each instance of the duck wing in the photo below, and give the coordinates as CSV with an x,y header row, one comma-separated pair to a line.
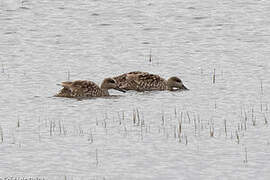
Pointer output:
x,y
143,81
150,82
123,80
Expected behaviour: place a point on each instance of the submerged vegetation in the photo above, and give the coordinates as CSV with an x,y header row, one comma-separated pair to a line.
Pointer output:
x,y
178,126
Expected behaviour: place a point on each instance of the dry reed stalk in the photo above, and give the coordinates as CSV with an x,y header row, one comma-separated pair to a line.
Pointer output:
x,y
179,130
18,123
188,116
134,117
225,126
51,127
261,87
68,75
195,125
90,138
150,56
174,132
97,162
237,137
1,134
211,129
265,119
123,116
3,69
60,127
141,132
245,121
119,118
96,121
180,127
214,76
138,117
246,157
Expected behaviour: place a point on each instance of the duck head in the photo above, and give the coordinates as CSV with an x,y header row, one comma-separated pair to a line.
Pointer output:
x,y
110,83
175,82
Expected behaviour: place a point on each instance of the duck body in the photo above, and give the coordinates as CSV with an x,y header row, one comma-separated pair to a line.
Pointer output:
x,y
84,88
144,81
81,88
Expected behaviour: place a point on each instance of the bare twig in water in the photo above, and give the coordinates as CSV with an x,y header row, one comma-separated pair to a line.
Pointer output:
x,y
1,134
214,76
138,117
97,157
150,56
195,125
18,122
245,121
225,126
162,119
68,75
188,117
51,126
179,130
253,118
3,69
119,118
174,131
237,137
265,119
90,138
211,131
60,127
261,87
246,157
134,117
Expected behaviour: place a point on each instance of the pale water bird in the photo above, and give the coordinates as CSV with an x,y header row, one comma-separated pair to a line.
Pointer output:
x,y
84,89
144,81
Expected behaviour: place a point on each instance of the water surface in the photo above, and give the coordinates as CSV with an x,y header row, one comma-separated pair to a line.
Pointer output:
x,y
135,135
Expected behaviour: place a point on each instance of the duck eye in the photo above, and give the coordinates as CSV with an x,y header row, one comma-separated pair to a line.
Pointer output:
x,y
111,81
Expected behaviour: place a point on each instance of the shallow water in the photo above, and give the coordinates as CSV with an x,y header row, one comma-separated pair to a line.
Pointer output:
x,y
135,135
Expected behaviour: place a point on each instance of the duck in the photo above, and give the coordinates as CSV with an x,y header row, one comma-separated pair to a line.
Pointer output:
x,y
144,81
86,89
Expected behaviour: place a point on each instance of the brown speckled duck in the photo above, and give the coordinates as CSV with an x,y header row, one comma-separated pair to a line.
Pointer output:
x,y
143,81
85,89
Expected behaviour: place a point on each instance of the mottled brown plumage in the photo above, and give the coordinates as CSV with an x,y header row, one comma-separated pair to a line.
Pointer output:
x,y
143,81
83,88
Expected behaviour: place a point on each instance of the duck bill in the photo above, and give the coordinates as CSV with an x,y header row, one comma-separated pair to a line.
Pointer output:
x,y
184,88
119,89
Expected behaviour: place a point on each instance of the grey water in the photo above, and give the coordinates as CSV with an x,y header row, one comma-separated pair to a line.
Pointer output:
x,y
219,129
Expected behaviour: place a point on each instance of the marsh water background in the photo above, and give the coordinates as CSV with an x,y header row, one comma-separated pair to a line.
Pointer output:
x,y
45,42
